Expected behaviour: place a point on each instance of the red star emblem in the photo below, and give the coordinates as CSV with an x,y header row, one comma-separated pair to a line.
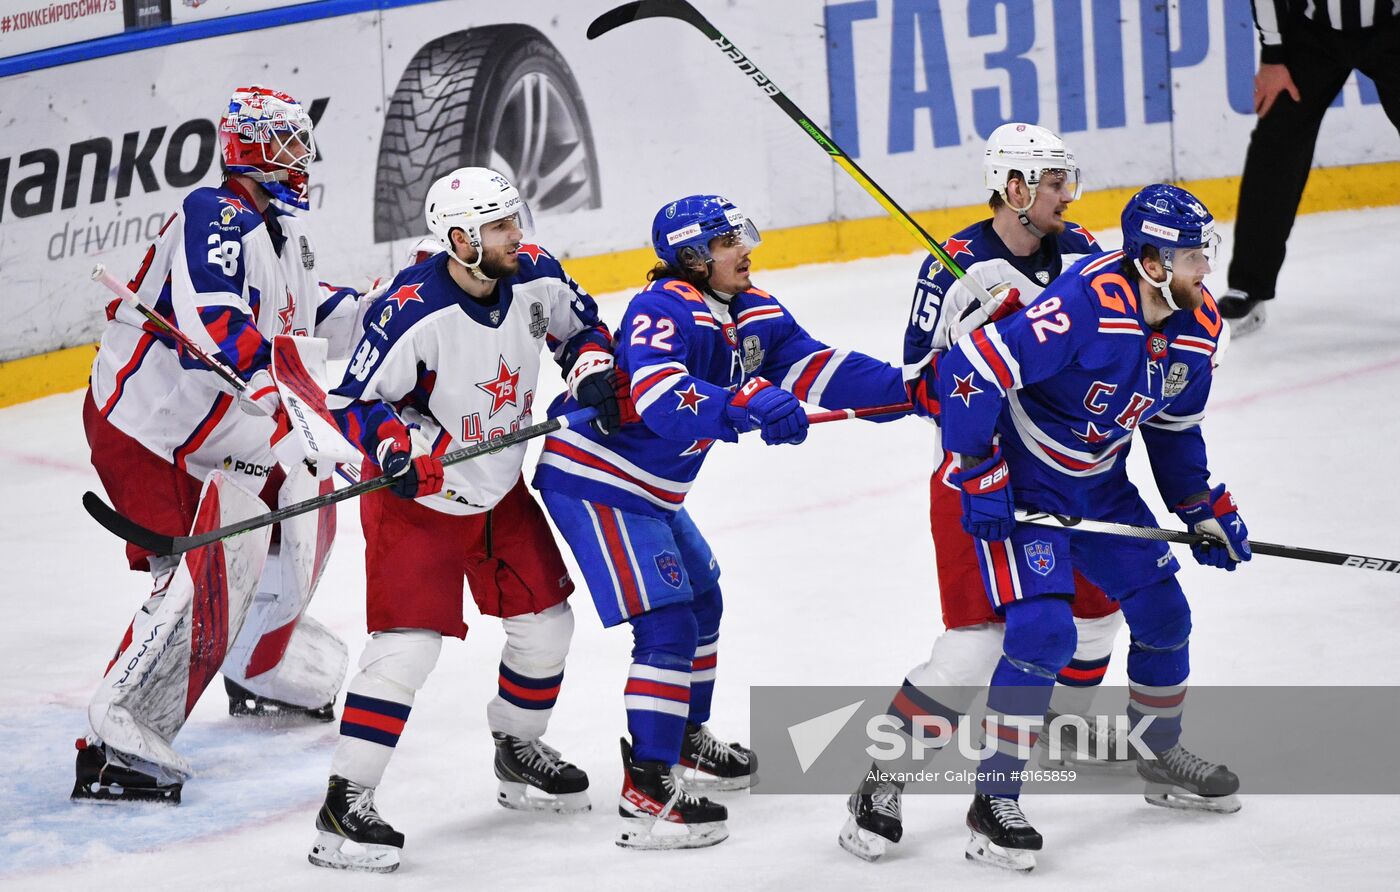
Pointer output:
x,y
1092,435
405,294
532,251
956,246
1088,236
698,447
690,399
234,203
965,389
503,387
1042,563
285,314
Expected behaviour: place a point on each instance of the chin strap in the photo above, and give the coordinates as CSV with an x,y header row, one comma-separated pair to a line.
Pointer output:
x,y
1164,287
1021,213
473,268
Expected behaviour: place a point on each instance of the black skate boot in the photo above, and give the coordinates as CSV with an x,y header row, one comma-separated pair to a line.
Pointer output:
x,y
714,765
875,817
1001,835
658,812
243,702
349,816
104,775
526,765
1178,778
1083,747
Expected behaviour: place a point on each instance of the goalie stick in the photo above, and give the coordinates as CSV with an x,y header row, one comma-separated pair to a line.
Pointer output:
x,y
1361,562
681,9
159,543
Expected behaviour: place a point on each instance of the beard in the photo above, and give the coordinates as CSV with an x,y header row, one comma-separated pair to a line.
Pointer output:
x,y
1186,295
497,264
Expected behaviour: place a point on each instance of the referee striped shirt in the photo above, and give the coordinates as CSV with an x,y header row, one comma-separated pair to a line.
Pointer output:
x,y
1271,19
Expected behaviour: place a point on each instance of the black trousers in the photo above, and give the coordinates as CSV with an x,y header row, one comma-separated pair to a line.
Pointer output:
x,y
1281,148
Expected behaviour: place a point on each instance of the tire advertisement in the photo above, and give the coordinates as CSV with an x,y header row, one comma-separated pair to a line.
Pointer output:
x,y
96,153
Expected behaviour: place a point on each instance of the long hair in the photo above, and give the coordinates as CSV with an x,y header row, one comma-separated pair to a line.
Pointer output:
x,y
689,275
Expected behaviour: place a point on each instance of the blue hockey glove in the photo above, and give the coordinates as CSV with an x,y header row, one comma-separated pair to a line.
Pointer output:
x,y
1217,517
778,414
987,510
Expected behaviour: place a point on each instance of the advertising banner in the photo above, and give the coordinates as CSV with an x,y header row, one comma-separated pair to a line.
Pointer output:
x,y
29,25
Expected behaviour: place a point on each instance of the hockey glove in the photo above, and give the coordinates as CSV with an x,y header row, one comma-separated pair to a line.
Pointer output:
x,y
622,384
260,396
778,414
1218,518
987,510
1005,301
923,391
418,476
592,382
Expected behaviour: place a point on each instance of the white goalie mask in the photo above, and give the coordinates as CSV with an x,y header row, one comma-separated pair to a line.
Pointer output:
x,y
1033,152
467,199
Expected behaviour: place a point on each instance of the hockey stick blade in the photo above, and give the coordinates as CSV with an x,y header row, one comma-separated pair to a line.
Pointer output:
x,y
132,532
1338,559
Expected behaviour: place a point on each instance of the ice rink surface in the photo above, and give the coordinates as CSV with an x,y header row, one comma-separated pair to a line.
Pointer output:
x,y
828,579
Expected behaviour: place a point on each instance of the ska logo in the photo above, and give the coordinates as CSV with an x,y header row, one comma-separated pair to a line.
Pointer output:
x,y
1040,556
669,566
539,322
1176,380
753,354
1042,276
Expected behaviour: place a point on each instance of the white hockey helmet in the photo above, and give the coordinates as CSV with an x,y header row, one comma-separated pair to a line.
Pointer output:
x,y
467,199
1032,151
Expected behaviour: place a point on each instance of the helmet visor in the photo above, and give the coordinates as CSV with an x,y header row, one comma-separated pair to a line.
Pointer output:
x,y
743,232
1061,180
1196,259
510,230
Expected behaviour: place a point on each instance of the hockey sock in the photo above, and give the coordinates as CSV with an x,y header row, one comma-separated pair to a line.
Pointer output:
x,y
657,695
531,671
708,608
393,667
1079,680
919,715
1158,660
1039,642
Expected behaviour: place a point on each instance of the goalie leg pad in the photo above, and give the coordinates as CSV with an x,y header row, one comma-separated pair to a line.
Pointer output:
x,y
393,667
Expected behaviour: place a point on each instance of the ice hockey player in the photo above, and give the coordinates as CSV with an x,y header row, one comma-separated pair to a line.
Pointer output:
x,y
234,268
709,357
1042,407
1022,247
450,357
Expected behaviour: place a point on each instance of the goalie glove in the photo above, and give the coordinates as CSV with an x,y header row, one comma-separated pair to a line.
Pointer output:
x,y
1217,517
260,396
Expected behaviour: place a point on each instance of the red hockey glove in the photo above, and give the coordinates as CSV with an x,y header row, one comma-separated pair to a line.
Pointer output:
x,y
418,476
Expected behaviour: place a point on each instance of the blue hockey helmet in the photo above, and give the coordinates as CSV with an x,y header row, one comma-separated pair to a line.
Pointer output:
x,y
1172,220
689,224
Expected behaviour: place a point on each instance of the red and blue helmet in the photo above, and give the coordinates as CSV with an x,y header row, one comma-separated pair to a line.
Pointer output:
x,y
266,135
683,229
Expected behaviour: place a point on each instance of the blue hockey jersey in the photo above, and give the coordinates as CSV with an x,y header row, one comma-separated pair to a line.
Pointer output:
x,y
686,354
1066,382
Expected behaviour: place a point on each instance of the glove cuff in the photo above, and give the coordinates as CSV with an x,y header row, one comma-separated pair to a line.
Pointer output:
x,y
591,360
989,476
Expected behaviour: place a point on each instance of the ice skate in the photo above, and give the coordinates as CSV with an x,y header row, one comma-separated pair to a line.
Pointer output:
x,y
659,813
349,817
534,777
1086,750
711,764
105,775
1001,835
1178,778
875,819
244,703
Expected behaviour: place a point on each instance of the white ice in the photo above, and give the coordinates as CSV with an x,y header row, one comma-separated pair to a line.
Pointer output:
x,y
828,578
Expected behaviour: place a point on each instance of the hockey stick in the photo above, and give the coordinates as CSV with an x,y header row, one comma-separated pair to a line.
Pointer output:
x,y
1361,562
113,284
867,412
681,9
160,543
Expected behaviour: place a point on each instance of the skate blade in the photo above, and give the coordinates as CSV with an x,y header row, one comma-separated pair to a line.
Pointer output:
x,y
703,782
113,795
1168,796
523,797
862,843
327,851
981,850
649,834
